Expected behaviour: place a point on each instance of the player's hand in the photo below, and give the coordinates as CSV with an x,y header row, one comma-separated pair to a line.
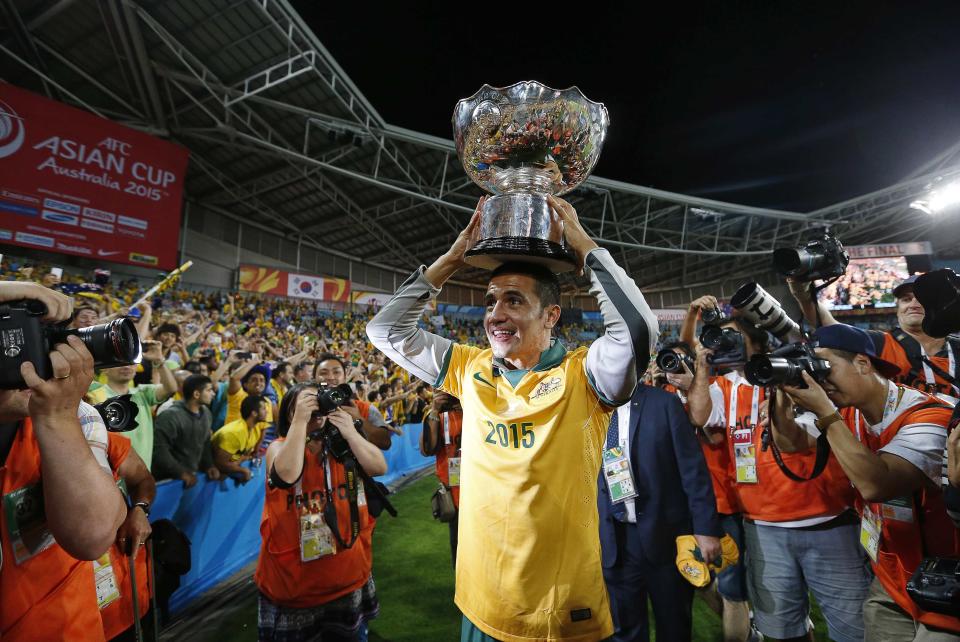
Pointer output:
x,y
709,547
467,238
577,238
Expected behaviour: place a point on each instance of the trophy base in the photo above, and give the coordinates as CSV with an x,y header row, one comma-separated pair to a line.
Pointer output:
x,y
491,253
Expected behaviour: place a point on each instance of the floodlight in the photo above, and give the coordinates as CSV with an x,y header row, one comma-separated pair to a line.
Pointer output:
x,y
939,199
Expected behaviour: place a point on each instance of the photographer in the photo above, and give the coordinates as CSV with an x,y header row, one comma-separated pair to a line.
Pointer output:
x,y
921,360
331,370
60,506
889,439
314,569
782,518
441,437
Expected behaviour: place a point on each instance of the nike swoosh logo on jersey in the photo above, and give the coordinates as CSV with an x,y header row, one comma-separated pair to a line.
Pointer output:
x,y
476,375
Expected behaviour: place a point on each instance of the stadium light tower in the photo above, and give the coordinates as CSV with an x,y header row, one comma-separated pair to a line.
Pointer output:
x,y
942,198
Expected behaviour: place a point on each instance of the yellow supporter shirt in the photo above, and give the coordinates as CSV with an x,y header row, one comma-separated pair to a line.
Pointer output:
x,y
528,566
233,409
236,439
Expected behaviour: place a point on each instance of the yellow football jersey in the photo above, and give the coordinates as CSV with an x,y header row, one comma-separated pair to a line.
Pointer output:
x,y
528,557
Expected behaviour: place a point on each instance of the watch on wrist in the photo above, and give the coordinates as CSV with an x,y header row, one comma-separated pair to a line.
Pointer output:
x,y
822,422
144,506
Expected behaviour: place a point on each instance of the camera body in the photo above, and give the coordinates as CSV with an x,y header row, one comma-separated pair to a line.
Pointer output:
x,y
822,258
668,360
711,315
785,366
939,294
25,338
935,585
119,413
329,398
729,349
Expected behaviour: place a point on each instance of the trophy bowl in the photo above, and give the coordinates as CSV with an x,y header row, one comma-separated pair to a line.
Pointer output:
x,y
522,143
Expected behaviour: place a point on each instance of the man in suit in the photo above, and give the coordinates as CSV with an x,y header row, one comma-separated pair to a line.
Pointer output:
x,y
672,495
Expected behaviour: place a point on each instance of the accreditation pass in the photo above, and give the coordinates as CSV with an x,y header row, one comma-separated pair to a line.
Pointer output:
x,y
616,470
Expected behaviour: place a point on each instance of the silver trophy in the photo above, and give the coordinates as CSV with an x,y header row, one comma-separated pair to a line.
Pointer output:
x,y
522,143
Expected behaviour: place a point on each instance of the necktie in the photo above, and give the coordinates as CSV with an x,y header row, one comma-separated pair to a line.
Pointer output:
x,y
619,510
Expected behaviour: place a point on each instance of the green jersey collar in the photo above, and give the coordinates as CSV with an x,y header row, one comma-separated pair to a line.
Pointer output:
x,y
549,358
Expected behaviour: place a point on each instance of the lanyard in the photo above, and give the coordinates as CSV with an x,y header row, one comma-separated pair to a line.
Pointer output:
x,y
446,428
928,371
754,407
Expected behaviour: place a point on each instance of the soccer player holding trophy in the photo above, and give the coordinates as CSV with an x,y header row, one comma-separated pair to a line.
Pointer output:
x,y
535,415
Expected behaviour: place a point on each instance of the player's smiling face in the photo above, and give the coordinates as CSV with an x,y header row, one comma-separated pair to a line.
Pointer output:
x,y
517,327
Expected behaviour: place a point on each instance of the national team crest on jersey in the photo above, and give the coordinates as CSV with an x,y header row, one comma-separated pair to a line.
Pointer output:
x,y
546,387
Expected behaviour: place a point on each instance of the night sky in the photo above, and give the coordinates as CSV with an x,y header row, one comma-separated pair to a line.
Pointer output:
x,y
789,105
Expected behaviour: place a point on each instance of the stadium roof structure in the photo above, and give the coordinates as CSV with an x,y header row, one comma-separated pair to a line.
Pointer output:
x,y
280,139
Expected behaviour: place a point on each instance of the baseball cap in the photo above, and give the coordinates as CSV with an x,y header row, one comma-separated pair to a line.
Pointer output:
x,y
907,283
841,336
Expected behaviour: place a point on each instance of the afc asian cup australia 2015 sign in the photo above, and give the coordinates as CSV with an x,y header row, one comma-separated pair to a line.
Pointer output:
x,y
74,183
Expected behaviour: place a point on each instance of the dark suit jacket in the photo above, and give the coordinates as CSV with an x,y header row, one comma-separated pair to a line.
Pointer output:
x,y
675,492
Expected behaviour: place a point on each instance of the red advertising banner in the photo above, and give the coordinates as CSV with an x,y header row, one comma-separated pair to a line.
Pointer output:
x,y
302,286
75,183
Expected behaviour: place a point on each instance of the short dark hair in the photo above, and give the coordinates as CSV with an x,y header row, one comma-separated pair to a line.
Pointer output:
x,y
194,383
251,404
303,365
372,395
421,387
286,405
384,389
327,356
548,285
168,327
277,369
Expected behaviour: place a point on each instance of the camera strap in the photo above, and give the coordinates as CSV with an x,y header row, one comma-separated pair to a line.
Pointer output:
x,y
330,508
819,464
919,360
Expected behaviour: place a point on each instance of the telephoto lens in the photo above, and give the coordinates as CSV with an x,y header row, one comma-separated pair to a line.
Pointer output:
x,y
112,344
758,307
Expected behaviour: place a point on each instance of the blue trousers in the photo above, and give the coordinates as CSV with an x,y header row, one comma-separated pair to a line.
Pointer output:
x,y
634,581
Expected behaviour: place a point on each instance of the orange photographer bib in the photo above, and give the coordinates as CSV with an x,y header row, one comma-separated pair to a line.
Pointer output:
x,y
765,493
291,516
46,593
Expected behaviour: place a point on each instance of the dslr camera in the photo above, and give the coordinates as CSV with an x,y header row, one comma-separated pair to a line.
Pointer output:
x,y
939,294
785,366
821,258
119,413
935,585
24,338
329,398
668,360
727,344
